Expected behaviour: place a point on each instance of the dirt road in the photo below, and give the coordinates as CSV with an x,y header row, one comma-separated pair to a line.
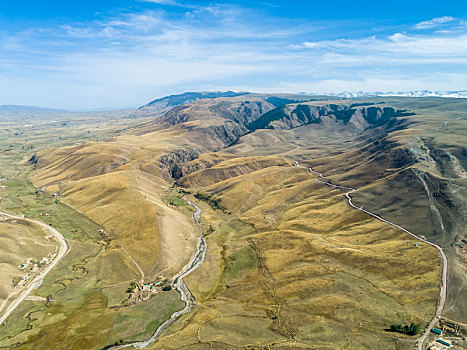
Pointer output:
x,y
444,261
38,279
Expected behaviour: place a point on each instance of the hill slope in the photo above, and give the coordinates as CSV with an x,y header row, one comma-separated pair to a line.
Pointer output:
x,y
289,264
187,97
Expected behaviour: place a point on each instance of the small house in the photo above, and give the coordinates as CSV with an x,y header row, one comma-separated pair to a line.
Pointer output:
x,y
445,343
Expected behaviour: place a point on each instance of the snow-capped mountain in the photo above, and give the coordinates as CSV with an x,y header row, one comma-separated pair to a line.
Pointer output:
x,y
416,93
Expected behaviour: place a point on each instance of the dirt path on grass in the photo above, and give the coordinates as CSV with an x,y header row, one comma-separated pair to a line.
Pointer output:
x,y
179,285
444,261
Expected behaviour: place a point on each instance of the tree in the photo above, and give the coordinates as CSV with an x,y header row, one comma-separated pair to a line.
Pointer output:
x,y
411,329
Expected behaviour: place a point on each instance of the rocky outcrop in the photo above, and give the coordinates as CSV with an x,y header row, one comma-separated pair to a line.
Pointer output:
x,y
205,161
448,165
230,169
208,132
240,112
213,138
294,115
107,168
34,159
172,161
224,135
244,112
175,116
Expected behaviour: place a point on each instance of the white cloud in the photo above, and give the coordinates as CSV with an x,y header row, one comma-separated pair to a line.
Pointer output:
x,y
162,2
434,22
407,46
171,3
310,45
132,58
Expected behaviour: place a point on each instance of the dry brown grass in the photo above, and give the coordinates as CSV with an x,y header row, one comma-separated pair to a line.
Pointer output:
x,y
325,274
119,185
230,169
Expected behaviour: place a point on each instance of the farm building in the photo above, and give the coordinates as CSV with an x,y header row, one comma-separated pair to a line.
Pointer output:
x,y
441,341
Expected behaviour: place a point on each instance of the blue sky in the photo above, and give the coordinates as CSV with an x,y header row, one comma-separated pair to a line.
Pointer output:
x,y
91,54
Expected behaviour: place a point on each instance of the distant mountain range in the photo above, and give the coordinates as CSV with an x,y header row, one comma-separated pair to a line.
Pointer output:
x,y
415,93
166,103
187,97
18,109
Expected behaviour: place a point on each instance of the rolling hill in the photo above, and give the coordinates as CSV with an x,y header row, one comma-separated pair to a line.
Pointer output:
x,y
289,264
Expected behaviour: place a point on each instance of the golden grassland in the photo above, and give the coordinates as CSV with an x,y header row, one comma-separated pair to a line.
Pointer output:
x,y
289,264
110,183
115,186
417,178
414,176
297,268
230,168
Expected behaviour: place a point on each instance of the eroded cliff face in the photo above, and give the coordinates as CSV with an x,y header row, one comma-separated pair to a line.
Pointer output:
x,y
209,139
244,112
209,134
213,125
294,115
171,162
240,111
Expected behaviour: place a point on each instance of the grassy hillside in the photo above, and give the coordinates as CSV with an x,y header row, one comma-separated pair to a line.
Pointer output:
x,y
296,267
289,263
97,195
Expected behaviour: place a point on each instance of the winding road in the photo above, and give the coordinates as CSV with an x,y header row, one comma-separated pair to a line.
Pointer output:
x,y
37,281
444,261
179,285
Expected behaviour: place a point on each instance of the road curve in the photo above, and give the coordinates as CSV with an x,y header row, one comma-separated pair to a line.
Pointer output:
x,y
444,260
64,247
179,285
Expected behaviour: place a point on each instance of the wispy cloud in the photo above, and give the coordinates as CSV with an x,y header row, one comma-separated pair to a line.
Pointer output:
x,y
407,46
434,22
134,57
171,3
163,2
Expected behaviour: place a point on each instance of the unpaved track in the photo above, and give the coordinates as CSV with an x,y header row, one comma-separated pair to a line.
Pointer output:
x,y
131,258
444,260
64,247
180,286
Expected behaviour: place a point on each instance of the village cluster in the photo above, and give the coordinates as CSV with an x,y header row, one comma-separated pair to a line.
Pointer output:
x,y
32,266
139,291
446,328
